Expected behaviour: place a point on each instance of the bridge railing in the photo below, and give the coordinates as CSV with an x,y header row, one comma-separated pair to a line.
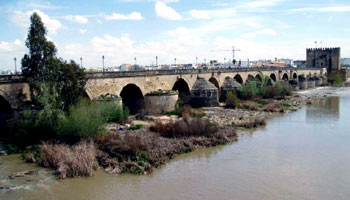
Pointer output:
x,y
94,75
187,71
11,78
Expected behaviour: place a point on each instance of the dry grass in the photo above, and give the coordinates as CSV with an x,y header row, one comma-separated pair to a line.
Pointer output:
x,y
252,123
185,128
309,101
78,160
128,144
249,105
137,152
274,107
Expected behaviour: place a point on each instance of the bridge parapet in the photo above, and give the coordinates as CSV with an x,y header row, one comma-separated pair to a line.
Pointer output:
x,y
99,75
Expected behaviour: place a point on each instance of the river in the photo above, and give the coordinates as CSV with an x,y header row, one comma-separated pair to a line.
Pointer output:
x,y
302,155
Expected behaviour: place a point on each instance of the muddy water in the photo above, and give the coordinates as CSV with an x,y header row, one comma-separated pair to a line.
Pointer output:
x,y
303,155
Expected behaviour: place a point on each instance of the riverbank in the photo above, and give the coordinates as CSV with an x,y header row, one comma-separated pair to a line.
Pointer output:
x,y
273,160
139,151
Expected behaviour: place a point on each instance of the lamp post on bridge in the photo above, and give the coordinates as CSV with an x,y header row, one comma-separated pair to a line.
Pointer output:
x,y
103,64
175,62
15,59
196,61
81,62
135,61
157,62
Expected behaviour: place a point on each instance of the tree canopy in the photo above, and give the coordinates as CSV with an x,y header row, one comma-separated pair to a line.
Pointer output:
x,y
51,79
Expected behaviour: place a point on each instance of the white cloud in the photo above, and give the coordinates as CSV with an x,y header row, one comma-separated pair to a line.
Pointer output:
x,y
82,31
9,50
200,14
109,44
266,31
323,9
77,18
43,5
165,1
131,16
22,19
261,3
166,12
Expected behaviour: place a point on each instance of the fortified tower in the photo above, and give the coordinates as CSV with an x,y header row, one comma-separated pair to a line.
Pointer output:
x,y
323,58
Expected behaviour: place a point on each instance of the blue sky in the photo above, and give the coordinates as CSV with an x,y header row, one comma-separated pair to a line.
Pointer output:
x,y
183,29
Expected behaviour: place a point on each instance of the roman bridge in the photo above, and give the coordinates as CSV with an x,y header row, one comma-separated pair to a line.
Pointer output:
x,y
136,84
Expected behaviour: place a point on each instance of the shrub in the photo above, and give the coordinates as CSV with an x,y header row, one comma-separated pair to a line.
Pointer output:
x,y
270,92
174,112
187,111
232,100
78,160
274,107
87,120
84,121
249,105
121,145
31,127
283,89
249,90
335,79
250,123
262,102
185,128
114,112
135,127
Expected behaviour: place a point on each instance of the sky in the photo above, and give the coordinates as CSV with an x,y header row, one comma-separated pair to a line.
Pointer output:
x,y
121,30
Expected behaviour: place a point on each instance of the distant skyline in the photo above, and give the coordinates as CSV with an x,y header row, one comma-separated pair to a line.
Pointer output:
x,y
183,29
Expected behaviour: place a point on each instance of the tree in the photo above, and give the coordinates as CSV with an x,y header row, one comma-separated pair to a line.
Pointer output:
x,y
36,65
53,82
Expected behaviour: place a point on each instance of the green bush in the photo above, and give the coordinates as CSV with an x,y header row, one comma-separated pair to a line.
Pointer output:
x,y
335,79
114,112
254,89
135,127
87,120
282,89
84,121
31,126
232,100
174,112
250,90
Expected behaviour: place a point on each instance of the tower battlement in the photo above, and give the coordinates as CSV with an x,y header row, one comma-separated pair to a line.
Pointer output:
x,y
328,49
323,57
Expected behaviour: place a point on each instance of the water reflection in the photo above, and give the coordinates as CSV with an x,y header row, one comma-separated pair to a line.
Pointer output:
x,y
324,109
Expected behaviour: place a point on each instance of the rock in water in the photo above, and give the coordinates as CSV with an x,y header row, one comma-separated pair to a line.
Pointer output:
x,y
22,174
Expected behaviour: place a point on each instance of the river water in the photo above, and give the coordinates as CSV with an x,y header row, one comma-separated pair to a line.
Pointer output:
x,y
302,155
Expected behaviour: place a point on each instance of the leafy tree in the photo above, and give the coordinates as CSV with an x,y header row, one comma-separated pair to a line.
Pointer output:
x,y
36,65
54,83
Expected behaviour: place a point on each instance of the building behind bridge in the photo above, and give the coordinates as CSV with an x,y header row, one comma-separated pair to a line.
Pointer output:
x,y
323,58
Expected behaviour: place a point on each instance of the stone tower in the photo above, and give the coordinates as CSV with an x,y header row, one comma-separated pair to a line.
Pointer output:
x,y
323,58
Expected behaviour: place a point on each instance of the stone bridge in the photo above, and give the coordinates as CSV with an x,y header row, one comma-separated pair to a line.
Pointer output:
x,y
136,84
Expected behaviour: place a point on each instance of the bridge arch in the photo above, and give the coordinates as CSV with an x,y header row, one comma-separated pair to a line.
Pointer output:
x,y
258,77
215,82
239,79
273,77
5,108
250,78
285,77
295,76
182,87
132,98
301,77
